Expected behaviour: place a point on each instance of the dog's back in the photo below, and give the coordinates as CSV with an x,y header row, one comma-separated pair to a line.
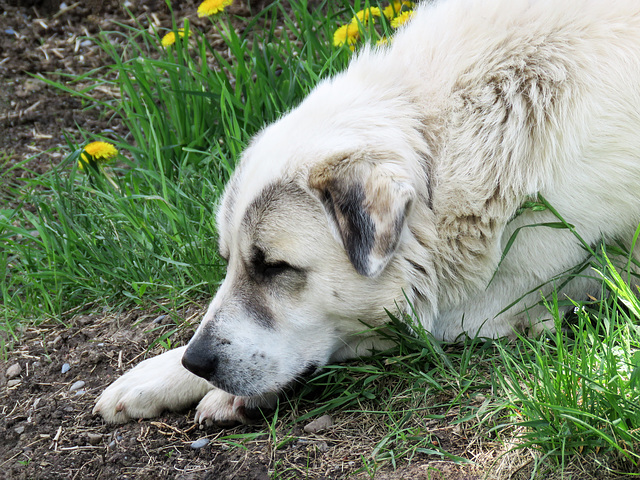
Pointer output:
x,y
536,97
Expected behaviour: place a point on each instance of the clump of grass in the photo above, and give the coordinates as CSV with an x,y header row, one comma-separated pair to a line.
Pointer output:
x,y
187,111
576,391
412,395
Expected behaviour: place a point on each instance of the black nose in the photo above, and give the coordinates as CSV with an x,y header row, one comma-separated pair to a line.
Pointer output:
x,y
200,361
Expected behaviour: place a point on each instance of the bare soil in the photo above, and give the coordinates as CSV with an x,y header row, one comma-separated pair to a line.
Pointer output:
x,y
47,430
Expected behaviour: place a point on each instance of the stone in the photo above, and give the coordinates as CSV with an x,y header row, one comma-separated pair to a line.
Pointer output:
x,y
200,443
13,371
77,386
319,424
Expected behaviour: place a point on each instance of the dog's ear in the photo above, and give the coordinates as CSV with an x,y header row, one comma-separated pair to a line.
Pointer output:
x,y
367,205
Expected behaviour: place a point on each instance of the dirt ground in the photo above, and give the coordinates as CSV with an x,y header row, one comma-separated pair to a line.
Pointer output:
x,y
47,430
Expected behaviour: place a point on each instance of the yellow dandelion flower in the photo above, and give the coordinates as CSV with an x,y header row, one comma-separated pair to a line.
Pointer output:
x,y
96,152
170,38
211,7
401,19
382,42
349,34
363,16
395,8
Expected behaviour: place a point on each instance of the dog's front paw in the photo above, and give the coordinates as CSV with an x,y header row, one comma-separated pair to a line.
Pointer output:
x,y
157,384
225,410
129,398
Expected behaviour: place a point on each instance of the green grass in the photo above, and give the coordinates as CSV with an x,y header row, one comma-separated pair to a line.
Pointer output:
x,y
77,240
73,241
566,396
577,390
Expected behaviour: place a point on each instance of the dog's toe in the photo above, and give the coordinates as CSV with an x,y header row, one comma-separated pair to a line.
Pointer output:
x,y
219,408
225,410
111,411
122,402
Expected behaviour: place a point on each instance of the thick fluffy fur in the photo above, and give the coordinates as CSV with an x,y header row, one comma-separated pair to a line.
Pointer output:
x,y
403,175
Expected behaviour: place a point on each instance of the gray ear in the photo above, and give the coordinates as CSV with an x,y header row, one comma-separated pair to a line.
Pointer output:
x,y
367,206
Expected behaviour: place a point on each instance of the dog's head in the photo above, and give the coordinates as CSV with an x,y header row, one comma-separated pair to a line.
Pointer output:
x,y
310,225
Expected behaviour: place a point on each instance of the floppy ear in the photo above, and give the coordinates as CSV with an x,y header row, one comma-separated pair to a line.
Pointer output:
x,y
367,205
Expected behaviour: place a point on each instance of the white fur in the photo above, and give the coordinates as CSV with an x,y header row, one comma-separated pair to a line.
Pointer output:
x,y
156,384
434,143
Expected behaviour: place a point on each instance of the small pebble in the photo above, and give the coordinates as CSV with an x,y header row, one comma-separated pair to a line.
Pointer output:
x,y
80,392
159,319
202,442
86,43
65,368
94,438
13,383
77,386
19,430
319,424
14,370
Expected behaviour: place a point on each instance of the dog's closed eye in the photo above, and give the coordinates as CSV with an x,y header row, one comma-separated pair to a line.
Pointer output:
x,y
267,268
273,269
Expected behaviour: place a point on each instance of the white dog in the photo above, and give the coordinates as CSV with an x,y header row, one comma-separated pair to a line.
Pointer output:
x,y
403,176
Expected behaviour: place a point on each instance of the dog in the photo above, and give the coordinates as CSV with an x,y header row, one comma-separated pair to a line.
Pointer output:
x,y
399,183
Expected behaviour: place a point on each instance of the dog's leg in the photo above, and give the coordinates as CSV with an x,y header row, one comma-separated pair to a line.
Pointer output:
x,y
157,384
